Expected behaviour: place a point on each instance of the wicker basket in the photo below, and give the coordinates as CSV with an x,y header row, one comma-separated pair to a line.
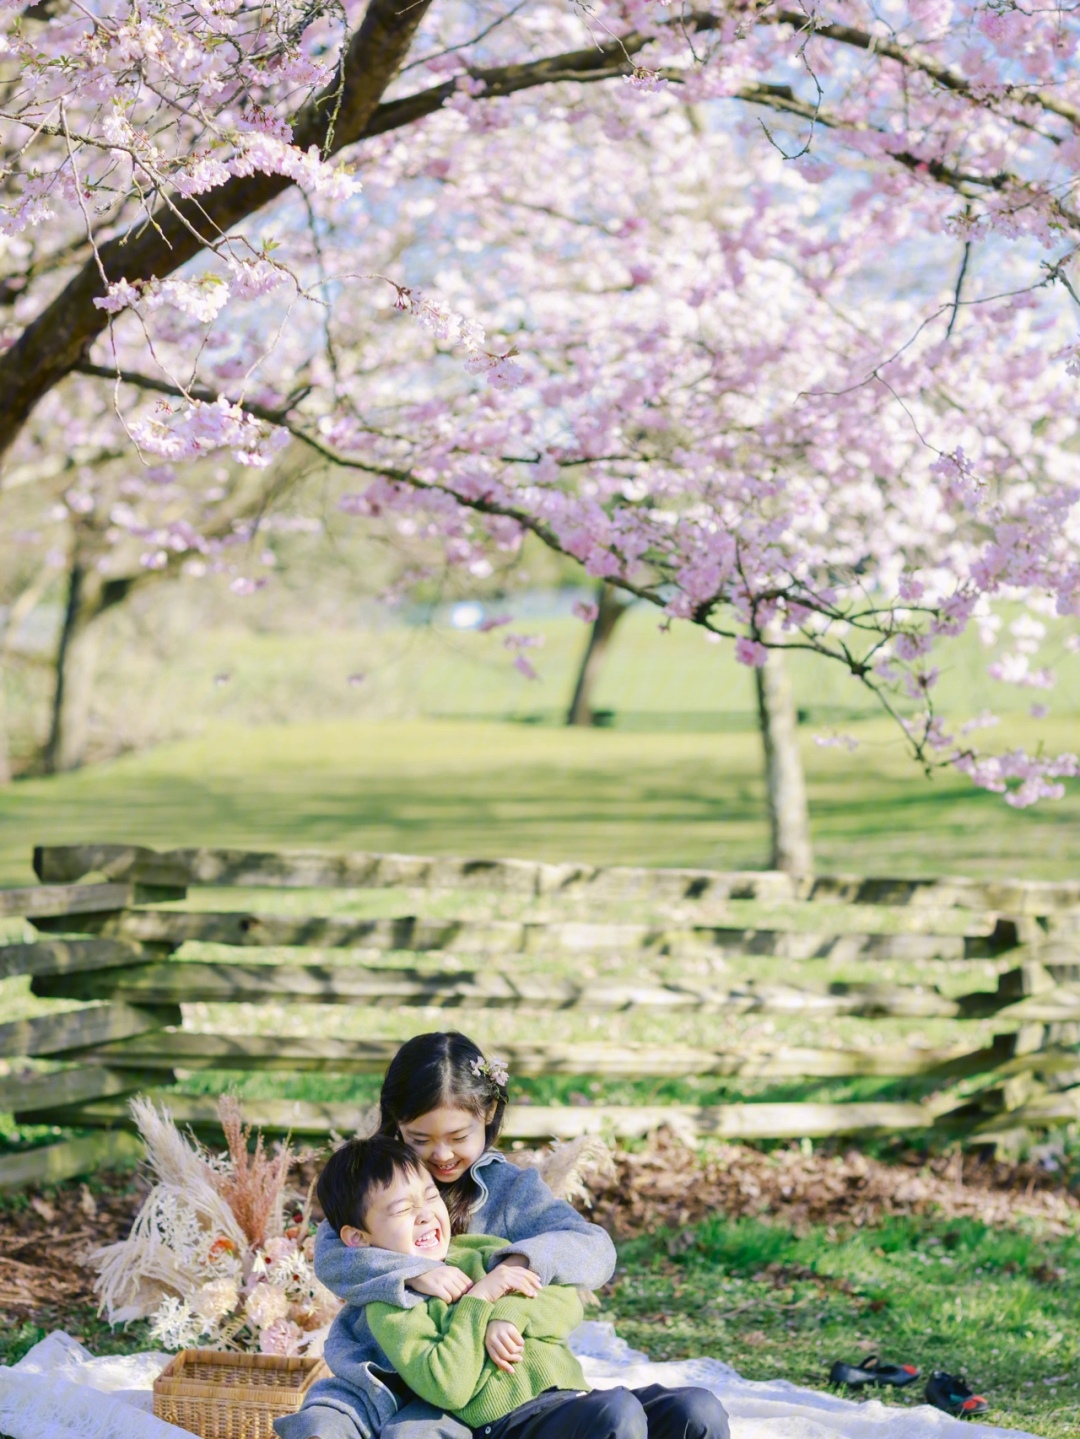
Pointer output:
x,y
232,1396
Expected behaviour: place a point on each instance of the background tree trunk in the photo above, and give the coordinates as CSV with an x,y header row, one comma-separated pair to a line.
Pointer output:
x,y
609,610
88,598
69,733
789,814
57,746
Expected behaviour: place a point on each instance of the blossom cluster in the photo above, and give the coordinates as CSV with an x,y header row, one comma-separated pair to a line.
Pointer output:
x,y
266,1299
96,88
197,428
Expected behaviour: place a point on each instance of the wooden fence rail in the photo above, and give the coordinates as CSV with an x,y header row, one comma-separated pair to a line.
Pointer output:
x,y
300,869
1022,1049
986,937
52,1034
542,1122
1031,991
125,1065
105,945
59,956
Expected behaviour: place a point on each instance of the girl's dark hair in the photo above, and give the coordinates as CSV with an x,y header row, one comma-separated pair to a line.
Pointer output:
x,y
354,1171
436,1071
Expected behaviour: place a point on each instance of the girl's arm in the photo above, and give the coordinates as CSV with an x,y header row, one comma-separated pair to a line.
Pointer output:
x,y
554,1314
440,1361
559,1245
366,1276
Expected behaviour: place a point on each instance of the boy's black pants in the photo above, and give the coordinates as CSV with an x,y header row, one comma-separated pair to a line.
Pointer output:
x,y
652,1413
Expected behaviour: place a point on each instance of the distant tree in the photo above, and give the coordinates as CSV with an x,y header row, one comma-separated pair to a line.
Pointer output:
x,y
609,608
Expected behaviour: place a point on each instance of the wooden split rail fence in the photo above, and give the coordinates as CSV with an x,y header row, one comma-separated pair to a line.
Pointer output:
x,y
108,941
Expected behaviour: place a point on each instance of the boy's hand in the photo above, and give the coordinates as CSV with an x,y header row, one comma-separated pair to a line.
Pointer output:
x,y
507,1279
446,1283
504,1344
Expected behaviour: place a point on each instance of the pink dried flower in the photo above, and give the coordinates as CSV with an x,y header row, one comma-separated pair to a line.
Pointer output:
x,y
266,1304
254,1183
283,1338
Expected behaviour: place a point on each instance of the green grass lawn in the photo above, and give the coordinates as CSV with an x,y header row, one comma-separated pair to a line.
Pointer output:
x,y
175,669
488,789
1001,1306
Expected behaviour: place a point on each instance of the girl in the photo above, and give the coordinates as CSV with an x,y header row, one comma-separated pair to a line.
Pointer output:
x,y
446,1101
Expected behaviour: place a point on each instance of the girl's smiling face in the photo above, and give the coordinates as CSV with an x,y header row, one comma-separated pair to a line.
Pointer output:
x,y
448,1140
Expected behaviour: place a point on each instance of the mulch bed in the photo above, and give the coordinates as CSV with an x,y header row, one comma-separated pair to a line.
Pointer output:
x,y
45,1235
669,1185
42,1244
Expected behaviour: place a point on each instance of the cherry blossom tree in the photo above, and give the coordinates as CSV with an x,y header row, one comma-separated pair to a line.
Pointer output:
x,y
765,315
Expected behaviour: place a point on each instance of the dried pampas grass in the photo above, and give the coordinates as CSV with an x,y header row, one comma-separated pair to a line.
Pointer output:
x,y
176,1159
182,1217
569,1169
253,1185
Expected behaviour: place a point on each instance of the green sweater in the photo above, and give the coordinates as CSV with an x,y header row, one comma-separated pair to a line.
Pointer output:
x,y
438,1348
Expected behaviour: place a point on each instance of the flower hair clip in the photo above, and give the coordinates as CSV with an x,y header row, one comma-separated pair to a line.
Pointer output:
x,y
493,1069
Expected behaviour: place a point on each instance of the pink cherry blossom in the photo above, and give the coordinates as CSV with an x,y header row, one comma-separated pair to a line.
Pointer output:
x,y
750,652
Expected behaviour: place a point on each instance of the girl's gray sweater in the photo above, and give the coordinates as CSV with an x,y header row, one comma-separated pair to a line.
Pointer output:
x,y
515,1204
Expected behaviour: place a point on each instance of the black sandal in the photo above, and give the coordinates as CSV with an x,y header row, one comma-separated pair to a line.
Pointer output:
x,y
872,1371
952,1395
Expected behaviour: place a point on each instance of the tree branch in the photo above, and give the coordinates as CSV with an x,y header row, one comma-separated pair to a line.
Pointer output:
x,y
652,594
165,387
780,97
53,343
912,59
959,289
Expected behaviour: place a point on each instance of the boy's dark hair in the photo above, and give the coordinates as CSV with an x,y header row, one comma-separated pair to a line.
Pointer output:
x,y
431,1071
356,1169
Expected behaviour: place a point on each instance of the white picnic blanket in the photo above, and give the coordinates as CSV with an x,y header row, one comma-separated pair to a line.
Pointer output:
x,y
60,1391
769,1408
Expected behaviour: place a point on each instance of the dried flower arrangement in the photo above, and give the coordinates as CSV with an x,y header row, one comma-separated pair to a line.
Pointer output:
x,y
220,1254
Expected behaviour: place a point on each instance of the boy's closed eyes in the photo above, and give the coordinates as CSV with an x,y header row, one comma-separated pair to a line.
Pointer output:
x,y
408,1216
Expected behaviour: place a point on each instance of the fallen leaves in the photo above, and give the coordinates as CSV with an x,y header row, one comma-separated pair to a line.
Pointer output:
x,y
670,1185
42,1242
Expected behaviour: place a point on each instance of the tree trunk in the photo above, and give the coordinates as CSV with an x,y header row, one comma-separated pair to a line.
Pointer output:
x,y
789,815
81,667
609,610
75,654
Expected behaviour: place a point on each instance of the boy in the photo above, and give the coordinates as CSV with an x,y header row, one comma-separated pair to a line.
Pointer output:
x,y
496,1360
